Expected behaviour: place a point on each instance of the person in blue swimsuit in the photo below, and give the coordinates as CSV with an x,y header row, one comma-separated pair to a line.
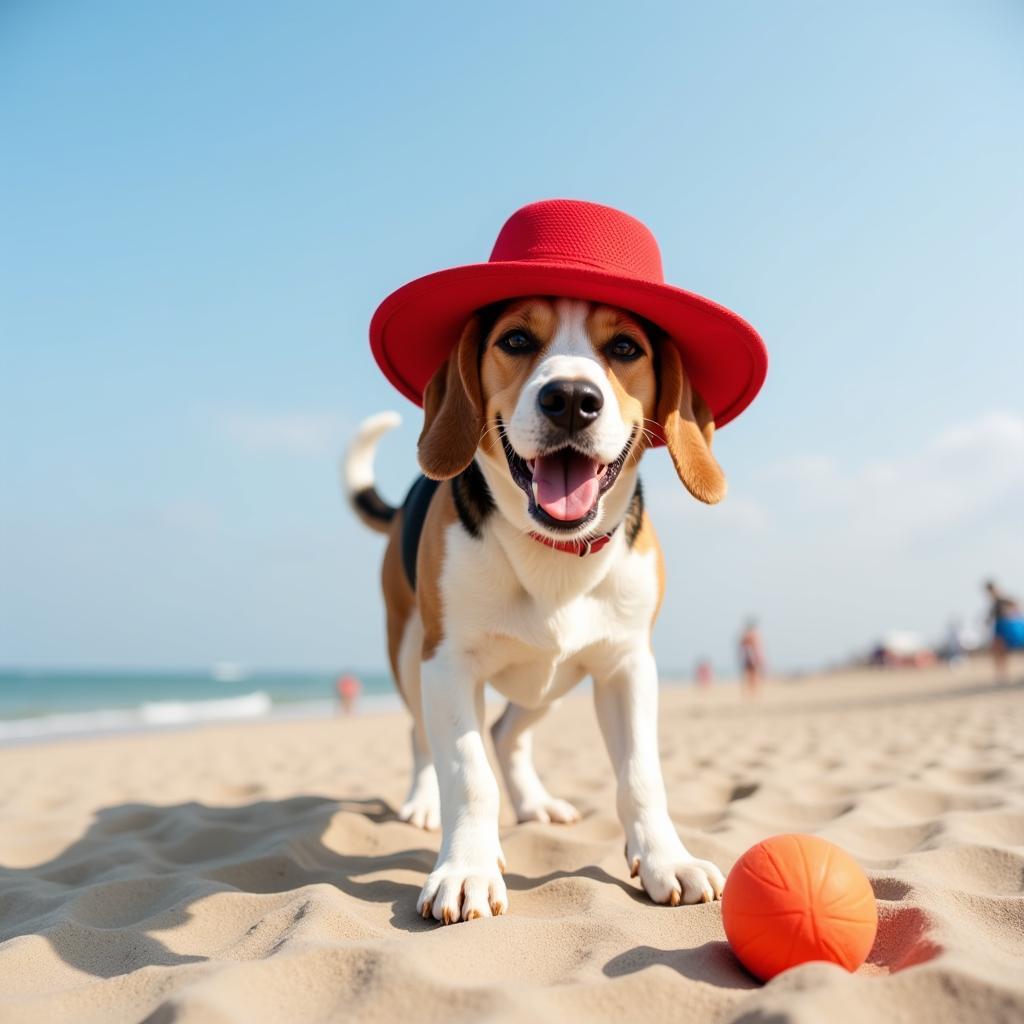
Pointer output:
x,y
1007,628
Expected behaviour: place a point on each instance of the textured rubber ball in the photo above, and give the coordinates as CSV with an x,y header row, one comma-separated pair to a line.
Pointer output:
x,y
795,898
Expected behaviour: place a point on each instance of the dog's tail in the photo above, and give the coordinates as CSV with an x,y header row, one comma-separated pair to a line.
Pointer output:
x,y
357,472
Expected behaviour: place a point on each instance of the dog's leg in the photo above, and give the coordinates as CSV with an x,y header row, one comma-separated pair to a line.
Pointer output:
x,y
466,881
627,709
422,806
513,743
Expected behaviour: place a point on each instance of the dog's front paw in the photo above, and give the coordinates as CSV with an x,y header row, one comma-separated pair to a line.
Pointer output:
x,y
548,809
672,876
458,890
422,808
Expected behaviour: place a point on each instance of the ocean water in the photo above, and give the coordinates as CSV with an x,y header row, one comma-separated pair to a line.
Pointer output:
x,y
41,704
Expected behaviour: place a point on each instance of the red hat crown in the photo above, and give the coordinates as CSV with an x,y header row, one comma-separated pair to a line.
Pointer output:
x,y
576,250
585,234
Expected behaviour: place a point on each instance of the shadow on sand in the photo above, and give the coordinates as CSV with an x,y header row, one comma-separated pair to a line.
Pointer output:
x,y
142,866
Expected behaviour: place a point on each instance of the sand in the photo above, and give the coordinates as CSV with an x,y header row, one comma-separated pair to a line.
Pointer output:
x,y
258,873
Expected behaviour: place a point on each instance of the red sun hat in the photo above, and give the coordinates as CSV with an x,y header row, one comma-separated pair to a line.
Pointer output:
x,y
577,250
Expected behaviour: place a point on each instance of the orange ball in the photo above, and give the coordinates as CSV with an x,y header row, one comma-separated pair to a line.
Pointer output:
x,y
796,898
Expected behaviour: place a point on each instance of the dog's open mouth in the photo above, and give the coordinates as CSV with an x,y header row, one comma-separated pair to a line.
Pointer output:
x,y
564,486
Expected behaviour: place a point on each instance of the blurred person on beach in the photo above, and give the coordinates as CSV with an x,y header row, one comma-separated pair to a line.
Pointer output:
x,y
953,650
348,688
752,658
704,674
1007,621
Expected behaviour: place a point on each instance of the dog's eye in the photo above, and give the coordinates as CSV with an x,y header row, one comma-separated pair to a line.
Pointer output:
x,y
623,348
516,343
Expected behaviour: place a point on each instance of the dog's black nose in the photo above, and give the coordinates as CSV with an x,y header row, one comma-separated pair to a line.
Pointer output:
x,y
570,404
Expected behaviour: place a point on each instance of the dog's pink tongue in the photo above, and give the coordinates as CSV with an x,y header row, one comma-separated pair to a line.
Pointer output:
x,y
567,484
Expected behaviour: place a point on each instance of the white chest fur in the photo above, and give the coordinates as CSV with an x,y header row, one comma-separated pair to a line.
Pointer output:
x,y
534,621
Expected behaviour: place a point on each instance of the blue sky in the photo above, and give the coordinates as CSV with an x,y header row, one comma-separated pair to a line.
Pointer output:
x,y
202,205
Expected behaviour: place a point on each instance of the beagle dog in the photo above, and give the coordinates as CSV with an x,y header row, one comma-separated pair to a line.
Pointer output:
x,y
524,558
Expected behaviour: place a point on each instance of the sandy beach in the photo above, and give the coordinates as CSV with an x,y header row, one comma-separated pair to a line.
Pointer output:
x,y
258,872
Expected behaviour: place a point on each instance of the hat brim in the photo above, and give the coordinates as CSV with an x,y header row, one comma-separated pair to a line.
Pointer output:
x,y
416,327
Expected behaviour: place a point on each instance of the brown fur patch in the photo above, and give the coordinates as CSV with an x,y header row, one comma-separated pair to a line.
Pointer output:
x,y
399,599
636,376
634,382
502,375
647,540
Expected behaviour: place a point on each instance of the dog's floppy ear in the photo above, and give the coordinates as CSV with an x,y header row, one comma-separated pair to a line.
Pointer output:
x,y
688,427
453,412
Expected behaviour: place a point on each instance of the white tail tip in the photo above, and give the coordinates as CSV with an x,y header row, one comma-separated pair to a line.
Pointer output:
x,y
357,464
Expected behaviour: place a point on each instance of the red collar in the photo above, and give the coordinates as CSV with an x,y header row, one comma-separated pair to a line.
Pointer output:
x,y
584,546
